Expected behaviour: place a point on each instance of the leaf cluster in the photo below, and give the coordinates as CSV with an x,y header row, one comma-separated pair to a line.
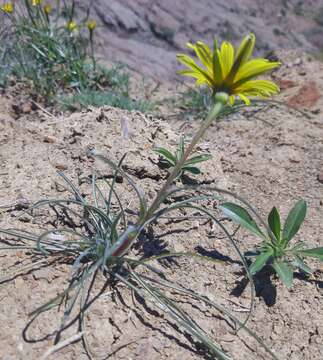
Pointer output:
x,y
276,249
170,160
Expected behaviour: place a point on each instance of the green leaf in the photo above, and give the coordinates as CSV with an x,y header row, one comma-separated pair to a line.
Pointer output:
x,y
284,272
181,149
198,159
301,265
274,222
192,169
240,216
294,220
260,261
315,252
167,155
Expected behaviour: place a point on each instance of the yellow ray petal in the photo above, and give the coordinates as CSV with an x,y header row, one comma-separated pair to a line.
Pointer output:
x,y
227,57
190,63
253,68
244,99
246,48
191,73
231,100
244,52
203,52
257,87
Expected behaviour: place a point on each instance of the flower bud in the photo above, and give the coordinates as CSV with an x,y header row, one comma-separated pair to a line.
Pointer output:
x,y
47,9
7,7
91,25
36,2
71,26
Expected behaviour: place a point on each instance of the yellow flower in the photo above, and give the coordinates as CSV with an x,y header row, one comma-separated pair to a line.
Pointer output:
x,y
71,26
36,2
7,7
47,9
91,25
225,71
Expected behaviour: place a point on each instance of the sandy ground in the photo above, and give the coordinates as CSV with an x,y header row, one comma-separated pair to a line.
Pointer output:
x,y
271,157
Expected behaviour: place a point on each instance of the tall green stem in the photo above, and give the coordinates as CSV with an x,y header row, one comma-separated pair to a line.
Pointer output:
x,y
132,232
92,50
221,100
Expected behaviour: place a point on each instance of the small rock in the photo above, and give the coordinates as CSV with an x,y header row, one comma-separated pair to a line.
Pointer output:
x,y
60,166
297,62
25,218
49,140
41,274
26,108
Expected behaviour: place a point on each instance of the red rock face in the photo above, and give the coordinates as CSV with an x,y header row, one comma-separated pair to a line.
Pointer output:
x,y
307,96
147,34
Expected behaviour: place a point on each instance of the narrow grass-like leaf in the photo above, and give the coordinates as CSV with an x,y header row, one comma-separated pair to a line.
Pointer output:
x,y
139,192
180,316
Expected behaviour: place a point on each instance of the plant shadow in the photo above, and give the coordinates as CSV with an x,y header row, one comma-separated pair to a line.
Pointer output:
x,y
264,287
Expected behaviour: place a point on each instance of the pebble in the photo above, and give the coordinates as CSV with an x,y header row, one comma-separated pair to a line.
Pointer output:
x,y
60,166
49,140
26,108
320,177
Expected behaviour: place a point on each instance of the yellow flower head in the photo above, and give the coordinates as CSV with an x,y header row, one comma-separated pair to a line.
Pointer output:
x,y
91,25
7,7
71,26
36,2
47,9
224,70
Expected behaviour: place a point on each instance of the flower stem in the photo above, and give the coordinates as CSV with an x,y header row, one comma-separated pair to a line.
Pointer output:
x,y
92,50
132,232
220,101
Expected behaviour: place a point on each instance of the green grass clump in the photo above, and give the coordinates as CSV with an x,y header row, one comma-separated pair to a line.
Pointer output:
x,y
98,98
198,101
49,49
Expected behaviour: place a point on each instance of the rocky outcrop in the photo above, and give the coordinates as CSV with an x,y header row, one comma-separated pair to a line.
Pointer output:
x,y
147,34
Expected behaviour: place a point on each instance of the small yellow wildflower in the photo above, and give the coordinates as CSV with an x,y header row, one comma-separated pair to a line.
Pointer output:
x,y
71,26
91,25
7,7
47,9
223,71
36,2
